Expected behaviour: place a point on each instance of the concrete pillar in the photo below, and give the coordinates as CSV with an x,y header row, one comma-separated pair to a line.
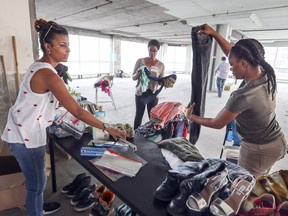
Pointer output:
x,y
116,54
188,61
216,54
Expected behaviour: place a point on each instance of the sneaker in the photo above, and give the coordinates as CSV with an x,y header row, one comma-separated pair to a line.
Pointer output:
x,y
50,208
104,207
121,210
83,194
124,210
85,182
85,204
98,192
73,184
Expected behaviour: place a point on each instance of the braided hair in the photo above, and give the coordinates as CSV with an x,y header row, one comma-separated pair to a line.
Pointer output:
x,y
47,31
253,52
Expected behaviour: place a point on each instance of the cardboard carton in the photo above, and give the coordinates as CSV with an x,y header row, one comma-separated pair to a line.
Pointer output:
x,y
12,182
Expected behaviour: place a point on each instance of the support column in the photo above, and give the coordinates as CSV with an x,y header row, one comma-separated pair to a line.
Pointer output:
x,y
188,61
116,54
217,53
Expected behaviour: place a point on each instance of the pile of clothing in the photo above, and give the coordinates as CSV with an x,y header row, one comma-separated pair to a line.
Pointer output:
x,y
167,120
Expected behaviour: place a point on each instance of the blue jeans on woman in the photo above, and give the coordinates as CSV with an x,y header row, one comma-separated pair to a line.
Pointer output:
x,y
32,164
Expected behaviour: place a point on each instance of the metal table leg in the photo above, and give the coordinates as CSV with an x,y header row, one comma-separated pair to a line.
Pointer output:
x,y
51,144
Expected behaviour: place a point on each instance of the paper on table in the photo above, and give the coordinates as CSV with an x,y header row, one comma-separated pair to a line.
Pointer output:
x,y
119,163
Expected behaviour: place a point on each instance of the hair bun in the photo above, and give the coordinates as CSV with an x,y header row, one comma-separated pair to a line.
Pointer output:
x,y
40,25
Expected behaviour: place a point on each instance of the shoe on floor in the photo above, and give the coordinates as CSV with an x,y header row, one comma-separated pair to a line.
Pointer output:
x,y
74,184
85,182
83,194
85,204
97,193
104,207
51,207
123,210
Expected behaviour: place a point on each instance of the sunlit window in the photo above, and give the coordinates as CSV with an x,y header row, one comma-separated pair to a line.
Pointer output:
x,y
89,56
175,59
130,53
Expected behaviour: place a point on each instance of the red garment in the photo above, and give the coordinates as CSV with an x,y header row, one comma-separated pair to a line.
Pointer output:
x,y
165,112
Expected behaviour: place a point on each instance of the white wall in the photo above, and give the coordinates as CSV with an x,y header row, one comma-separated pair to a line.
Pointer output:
x,y
14,21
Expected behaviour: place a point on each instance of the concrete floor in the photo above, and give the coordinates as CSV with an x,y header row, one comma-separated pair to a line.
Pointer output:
x,y
209,143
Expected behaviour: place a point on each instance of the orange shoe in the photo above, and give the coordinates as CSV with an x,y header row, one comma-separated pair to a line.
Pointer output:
x,y
104,207
98,192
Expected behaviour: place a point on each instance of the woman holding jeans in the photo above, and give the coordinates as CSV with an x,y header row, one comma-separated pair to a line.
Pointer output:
x,y
252,105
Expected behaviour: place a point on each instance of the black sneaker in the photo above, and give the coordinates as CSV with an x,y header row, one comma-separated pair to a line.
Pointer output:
x,y
83,195
76,182
51,207
85,204
85,182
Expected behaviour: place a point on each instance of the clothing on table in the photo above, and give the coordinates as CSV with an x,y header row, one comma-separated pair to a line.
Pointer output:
x,y
32,113
181,147
166,111
201,47
174,126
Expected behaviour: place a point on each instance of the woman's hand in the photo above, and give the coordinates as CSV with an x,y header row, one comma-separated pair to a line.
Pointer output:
x,y
206,29
116,133
189,111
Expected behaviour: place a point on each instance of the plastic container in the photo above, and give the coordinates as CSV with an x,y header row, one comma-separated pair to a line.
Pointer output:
x,y
99,134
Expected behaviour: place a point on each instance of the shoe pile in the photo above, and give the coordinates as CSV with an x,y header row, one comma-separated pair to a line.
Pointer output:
x,y
81,192
208,187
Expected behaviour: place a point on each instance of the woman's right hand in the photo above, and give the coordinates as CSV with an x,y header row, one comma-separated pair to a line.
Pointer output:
x,y
116,133
206,29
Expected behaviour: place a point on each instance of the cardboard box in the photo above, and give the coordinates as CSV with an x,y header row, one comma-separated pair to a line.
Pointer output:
x,y
12,183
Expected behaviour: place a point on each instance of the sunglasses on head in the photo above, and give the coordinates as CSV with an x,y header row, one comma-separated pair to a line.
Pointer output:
x,y
54,26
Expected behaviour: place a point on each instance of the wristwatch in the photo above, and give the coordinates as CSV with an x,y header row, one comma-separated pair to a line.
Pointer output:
x,y
106,126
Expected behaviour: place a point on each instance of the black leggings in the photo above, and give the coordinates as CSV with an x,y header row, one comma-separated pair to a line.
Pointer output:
x,y
140,109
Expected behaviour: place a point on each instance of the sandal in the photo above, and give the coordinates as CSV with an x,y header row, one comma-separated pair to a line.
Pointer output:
x,y
265,205
241,188
197,203
282,209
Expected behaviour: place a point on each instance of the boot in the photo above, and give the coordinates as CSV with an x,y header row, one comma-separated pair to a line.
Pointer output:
x,y
170,187
177,206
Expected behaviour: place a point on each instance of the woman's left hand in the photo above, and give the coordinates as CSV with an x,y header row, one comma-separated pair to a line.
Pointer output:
x,y
189,111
